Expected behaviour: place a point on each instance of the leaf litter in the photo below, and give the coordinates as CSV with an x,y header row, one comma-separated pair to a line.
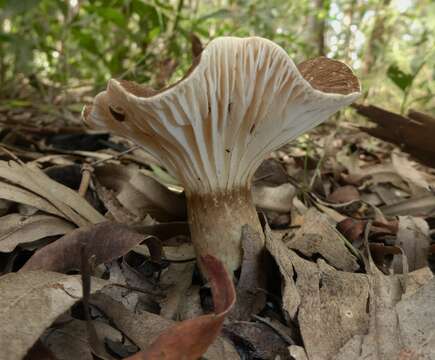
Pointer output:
x,y
345,274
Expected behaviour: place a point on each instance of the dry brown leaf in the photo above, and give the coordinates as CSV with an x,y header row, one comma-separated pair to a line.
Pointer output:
x,y
419,206
406,170
279,251
190,339
416,279
344,194
40,352
177,280
5,205
141,194
264,342
30,302
384,194
107,241
115,210
74,207
413,237
333,306
352,229
278,198
317,236
271,173
143,328
401,327
182,252
69,341
416,315
330,305
192,304
298,352
250,297
22,196
16,229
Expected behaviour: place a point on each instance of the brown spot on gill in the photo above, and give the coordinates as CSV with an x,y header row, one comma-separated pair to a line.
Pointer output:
x,y
251,130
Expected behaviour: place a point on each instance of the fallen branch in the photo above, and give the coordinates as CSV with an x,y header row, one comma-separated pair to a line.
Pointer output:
x,y
413,133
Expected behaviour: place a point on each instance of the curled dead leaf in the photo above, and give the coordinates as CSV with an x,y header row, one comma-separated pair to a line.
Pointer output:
x,y
190,339
344,194
16,229
107,241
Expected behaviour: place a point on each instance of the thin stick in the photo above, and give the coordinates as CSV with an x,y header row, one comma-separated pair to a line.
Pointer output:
x,y
117,156
87,171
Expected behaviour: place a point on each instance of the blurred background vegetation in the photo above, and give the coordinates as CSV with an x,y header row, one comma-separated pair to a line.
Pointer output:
x,y
62,44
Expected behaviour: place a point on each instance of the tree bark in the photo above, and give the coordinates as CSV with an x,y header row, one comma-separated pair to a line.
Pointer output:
x,y
377,39
318,27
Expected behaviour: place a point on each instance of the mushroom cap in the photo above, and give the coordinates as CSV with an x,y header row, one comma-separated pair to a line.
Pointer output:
x,y
242,99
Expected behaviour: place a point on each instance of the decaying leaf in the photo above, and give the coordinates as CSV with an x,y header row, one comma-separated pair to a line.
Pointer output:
x,y
65,200
330,305
344,194
33,300
190,339
277,198
115,210
260,340
177,280
40,351
141,194
406,169
23,196
298,352
352,229
279,251
251,298
317,236
333,306
107,241
399,328
16,229
413,238
418,206
416,315
69,341
144,328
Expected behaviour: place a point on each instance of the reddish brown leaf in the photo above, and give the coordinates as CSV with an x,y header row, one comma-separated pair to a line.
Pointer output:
x,y
352,229
344,194
107,241
190,339
385,228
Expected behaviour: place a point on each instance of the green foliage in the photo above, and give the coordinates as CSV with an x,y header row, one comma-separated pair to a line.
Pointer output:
x,y
65,43
402,79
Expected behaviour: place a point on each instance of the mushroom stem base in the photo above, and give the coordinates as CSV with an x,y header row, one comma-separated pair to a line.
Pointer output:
x,y
216,221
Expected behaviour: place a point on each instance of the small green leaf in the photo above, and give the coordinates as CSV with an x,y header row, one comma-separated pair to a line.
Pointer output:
x,y
402,79
21,6
86,40
112,15
218,14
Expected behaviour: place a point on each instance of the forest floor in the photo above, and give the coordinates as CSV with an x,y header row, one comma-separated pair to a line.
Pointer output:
x,y
346,272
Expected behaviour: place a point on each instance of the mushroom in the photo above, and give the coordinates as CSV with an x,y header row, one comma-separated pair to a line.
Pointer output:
x,y
241,99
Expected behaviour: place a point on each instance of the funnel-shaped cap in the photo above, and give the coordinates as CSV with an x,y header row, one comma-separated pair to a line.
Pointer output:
x,y
242,99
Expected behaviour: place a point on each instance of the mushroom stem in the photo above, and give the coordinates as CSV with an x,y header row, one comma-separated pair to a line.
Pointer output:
x,y
216,222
